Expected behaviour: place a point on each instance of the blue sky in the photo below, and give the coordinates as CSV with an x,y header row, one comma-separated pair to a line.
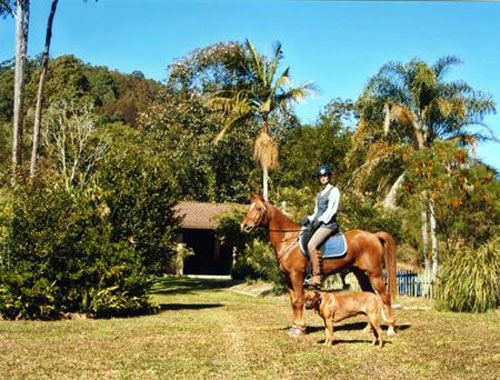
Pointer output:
x,y
338,45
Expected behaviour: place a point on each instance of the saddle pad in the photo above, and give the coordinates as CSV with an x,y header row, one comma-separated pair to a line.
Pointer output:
x,y
334,247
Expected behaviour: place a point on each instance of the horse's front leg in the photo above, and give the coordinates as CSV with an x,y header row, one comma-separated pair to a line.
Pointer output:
x,y
296,293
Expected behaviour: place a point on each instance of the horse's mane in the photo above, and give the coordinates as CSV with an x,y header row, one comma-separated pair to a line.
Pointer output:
x,y
282,214
275,209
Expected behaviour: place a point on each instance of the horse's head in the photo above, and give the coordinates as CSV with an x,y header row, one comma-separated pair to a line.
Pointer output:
x,y
257,215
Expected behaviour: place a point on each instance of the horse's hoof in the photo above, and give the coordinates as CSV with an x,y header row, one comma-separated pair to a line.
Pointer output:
x,y
390,331
367,330
295,331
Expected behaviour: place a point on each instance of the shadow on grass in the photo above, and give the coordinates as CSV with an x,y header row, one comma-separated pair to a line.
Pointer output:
x,y
183,306
352,327
357,341
183,285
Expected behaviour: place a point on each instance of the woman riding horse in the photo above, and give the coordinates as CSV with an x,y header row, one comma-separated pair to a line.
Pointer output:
x,y
322,223
365,255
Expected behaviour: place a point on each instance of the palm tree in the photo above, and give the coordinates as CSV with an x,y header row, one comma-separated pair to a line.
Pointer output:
x,y
261,95
408,107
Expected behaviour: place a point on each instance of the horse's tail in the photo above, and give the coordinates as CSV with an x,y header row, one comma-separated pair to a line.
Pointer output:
x,y
390,260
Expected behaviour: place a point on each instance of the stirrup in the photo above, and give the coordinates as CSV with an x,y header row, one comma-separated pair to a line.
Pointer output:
x,y
312,285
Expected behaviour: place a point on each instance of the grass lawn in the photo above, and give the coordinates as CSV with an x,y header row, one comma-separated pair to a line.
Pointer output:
x,y
208,331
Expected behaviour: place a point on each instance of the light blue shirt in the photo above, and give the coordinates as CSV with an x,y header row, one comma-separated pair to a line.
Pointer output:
x,y
332,208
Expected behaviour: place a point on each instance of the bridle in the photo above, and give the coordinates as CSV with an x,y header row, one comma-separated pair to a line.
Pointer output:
x,y
259,221
263,219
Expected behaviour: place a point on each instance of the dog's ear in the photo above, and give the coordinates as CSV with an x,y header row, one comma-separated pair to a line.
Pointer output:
x,y
316,299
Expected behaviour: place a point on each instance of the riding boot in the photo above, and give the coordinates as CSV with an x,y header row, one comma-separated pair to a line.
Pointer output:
x,y
316,268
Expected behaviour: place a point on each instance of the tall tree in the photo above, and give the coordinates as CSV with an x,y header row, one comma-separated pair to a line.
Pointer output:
x,y
41,86
72,140
309,146
407,107
264,94
22,30
465,193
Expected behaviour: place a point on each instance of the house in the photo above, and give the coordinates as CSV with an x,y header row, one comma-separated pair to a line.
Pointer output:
x,y
198,231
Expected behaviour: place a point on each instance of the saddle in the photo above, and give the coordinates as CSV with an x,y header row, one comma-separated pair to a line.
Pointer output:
x,y
334,247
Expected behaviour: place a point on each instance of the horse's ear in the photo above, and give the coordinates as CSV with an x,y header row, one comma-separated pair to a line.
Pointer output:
x,y
258,196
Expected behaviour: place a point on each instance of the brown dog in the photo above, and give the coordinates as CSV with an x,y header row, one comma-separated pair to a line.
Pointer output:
x,y
335,307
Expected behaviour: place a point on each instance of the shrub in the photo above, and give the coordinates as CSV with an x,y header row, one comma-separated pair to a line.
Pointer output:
x,y
470,280
255,258
58,258
140,190
258,261
358,211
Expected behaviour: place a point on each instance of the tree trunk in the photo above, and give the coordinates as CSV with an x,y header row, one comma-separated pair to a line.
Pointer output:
x,y
427,214
22,29
387,118
425,242
434,245
265,182
41,86
390,199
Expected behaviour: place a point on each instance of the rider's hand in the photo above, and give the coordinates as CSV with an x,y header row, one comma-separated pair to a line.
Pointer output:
x,y
315,225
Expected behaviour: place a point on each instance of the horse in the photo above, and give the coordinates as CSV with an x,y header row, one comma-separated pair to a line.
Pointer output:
x,y
365,256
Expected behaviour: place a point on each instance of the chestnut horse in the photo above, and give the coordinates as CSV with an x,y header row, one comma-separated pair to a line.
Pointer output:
x,y
364,257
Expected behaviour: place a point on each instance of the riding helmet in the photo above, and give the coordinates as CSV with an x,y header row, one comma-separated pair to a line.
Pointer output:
x,y
324,170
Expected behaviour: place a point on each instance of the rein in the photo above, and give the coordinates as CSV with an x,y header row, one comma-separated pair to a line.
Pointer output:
x,y
277,230
292,230
264,215
285,252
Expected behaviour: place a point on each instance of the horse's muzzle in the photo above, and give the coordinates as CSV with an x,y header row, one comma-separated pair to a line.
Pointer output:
x,y
247,228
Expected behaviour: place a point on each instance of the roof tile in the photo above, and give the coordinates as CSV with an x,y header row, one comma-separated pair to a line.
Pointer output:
x,y
201,215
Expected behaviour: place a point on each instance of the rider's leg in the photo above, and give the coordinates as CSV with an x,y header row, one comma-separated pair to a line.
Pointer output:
x,y
317,239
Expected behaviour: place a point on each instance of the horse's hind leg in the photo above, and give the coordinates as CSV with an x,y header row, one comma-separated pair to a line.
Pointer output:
x,y
383,292
363,280
375,283
365,285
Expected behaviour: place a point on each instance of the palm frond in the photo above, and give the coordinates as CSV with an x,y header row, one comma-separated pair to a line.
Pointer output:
x,y
443,64
265,107
255,61
402,114
284,79
275,60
